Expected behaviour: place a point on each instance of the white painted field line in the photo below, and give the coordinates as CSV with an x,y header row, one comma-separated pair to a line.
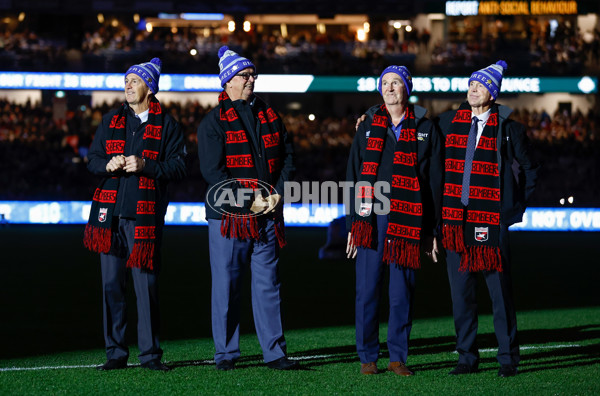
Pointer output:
x,y
312,357
534,347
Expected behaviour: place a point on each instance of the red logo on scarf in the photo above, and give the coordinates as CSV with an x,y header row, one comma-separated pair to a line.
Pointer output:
x,y
153,155
271,115
236,137
145,232
118,123
147,183
486,143
273,165
407,183
491,194
404,231
271,139
145,207
485,168
452,190
102,215
239,161
115,146
374,144
483,217
155,108
459,141
365,192
106,196
452,214
454,165
153,132
261,117
462,116
370,168
407,135
406,207
408,159
380,121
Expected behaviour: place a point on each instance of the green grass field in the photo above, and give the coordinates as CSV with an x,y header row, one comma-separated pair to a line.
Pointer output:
x,y
51,321
560,356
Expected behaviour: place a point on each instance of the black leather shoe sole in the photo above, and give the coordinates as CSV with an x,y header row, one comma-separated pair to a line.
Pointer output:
x,y
507,371
113,364
283,364
155,365
463,369
225,365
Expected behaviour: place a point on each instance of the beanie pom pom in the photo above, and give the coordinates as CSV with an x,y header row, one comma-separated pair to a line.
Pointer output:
x,y
503,64
222,50
157,62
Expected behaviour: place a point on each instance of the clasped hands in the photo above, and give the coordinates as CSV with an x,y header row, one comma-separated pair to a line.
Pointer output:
x,y
130,164
265,205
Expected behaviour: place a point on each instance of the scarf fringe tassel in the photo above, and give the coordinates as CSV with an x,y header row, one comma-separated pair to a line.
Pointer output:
x,y
453,238
97,239
280,233
481,258
472,258
142,256
362,234
243,227
403,253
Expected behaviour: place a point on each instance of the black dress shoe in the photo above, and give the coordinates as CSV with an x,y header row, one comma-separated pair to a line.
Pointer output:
x,y
155,365
113,364
225,365
462,368
283,364
507,370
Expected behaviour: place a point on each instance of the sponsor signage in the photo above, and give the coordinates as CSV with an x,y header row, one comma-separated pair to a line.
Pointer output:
x,y
313,215
299,83
466,8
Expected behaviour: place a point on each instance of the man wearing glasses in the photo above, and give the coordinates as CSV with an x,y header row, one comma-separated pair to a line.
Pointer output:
x,y
246,156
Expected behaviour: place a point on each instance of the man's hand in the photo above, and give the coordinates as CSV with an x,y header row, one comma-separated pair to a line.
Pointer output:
x,y
115,163
360,120
259,204
133,164
273,201
431,248
350,247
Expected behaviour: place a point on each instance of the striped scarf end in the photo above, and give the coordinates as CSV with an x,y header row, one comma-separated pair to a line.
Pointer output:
x,y
142,256
481,258
402,253
97,239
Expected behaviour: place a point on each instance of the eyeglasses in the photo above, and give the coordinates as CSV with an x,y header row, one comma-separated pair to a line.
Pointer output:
x,y
246,76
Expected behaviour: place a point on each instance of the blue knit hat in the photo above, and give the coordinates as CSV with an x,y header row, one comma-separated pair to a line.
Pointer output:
x,y
404,74
230,64
490,77
149,72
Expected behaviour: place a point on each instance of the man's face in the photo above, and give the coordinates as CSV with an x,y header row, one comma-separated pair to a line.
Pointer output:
x,y
393,90
478,95
241,86
136,90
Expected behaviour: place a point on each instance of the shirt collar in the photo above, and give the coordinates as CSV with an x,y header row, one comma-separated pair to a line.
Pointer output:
x,y
483,117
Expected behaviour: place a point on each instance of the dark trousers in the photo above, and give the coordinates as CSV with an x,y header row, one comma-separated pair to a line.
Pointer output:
x,y
228,261
370,272
463,287
114,281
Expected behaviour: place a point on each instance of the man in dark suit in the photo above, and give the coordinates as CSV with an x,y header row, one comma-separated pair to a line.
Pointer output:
x,y
482,198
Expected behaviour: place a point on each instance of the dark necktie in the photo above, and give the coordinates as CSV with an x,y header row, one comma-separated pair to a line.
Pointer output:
x,y
471,144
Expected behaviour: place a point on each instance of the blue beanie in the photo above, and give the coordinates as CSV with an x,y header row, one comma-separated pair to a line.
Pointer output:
x,y
490,77
404,74
149,72
230,64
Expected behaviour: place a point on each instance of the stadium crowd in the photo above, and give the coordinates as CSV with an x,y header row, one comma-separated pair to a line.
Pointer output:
x,y
113,46
44,159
